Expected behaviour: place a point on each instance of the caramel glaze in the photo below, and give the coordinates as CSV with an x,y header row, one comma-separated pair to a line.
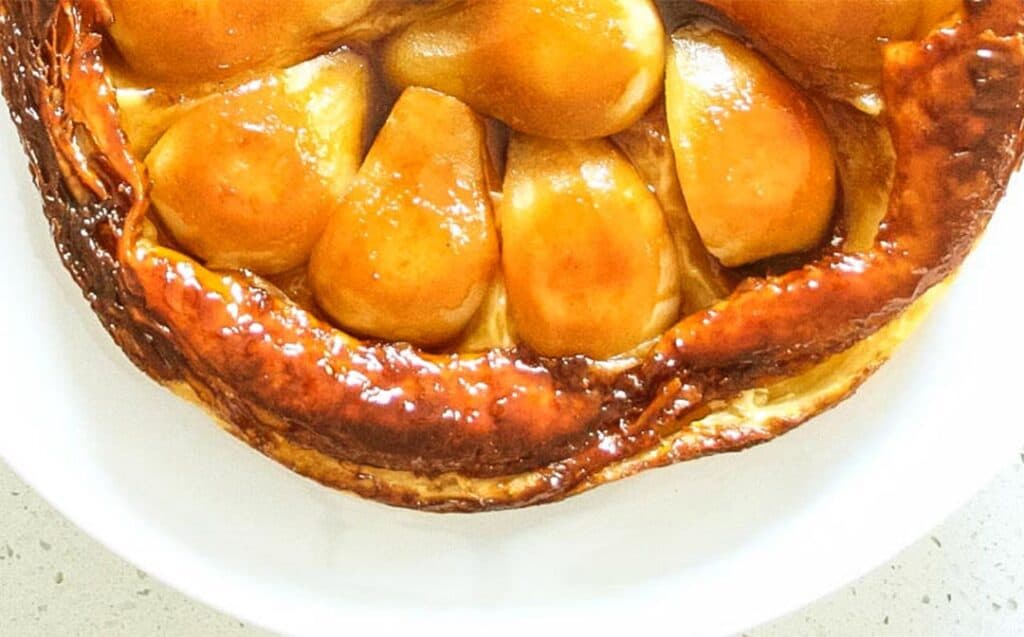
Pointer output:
x,y
954,105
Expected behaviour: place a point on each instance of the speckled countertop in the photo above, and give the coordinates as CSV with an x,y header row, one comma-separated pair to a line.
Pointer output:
x,y
965,579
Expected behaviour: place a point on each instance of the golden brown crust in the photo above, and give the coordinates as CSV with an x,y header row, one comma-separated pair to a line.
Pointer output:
x,y
542,429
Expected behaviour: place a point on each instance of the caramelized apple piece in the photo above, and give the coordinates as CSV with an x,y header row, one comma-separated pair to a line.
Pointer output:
x,y
411,251
866,166
588,260
146,114
838,35
490,327
247,179
193,40
753,157
649,148
580,69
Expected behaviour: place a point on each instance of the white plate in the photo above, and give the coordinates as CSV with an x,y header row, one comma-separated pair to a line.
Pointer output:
x,y
713,546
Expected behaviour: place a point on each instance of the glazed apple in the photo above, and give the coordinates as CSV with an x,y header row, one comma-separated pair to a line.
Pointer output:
x,y
754,159
583,69
411,250
214,39
147,113
648,146
285,147
588,260
838,35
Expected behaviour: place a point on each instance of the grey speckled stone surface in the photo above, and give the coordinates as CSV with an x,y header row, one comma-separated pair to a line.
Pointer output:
x,y
965,579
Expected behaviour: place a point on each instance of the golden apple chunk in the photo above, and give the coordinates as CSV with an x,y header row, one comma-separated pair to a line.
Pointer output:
x,y
589,264
248,179
146,114
838,35
580,69
410,253
754,160
647,144
195,40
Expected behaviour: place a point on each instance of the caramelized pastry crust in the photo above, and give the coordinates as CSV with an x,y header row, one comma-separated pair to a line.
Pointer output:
x,y
510,427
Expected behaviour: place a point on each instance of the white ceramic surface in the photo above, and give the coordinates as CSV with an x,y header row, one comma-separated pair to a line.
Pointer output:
x,y
711,546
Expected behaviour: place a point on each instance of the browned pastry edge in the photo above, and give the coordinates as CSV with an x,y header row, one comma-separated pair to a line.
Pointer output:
x,y
748,419
379,419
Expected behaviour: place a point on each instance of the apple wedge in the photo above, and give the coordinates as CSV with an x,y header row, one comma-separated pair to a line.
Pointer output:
x,y
754,159
589,263
410,252
581,69
284,148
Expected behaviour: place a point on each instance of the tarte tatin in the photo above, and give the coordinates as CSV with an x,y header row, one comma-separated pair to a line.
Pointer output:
x,y
465,255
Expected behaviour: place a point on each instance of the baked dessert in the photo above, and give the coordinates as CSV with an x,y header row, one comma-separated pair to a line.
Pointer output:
x,y
476,254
